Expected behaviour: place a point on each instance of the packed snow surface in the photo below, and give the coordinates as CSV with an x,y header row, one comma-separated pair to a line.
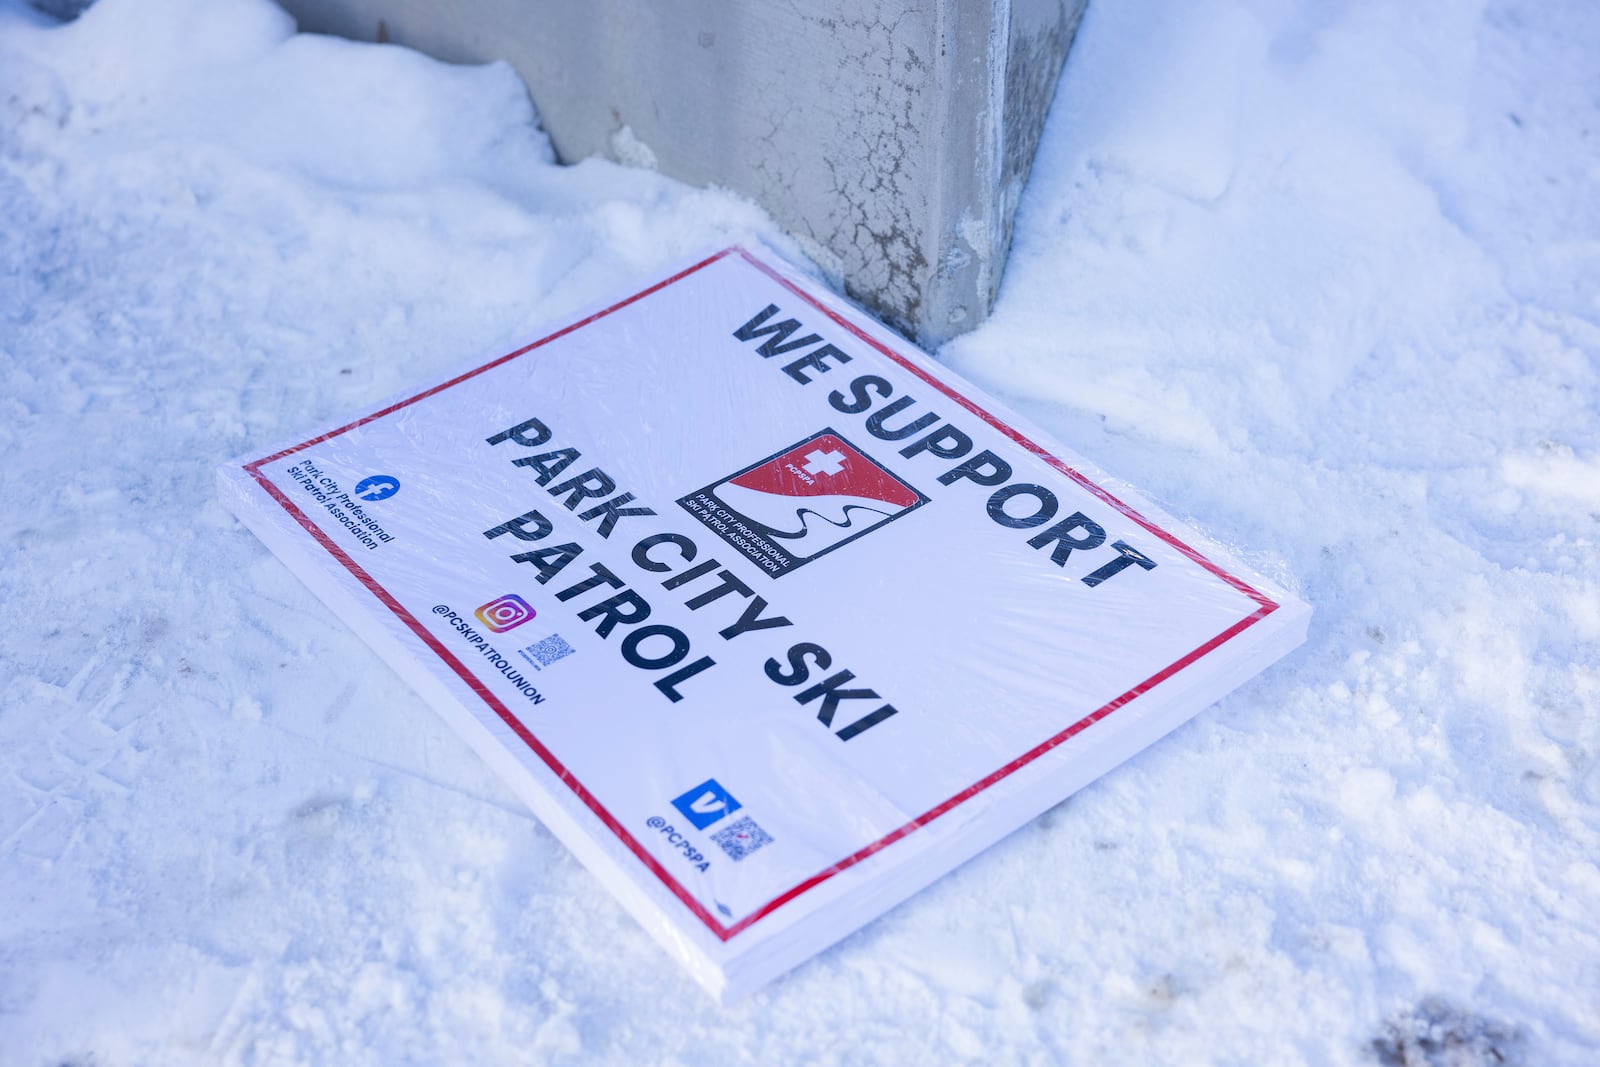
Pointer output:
x,y
1322,277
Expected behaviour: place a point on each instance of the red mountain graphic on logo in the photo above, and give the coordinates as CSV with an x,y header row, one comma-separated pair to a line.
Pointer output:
x,y
828,465
807,500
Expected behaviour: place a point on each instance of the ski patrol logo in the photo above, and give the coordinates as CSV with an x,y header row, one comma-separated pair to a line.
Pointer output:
x,y
807,500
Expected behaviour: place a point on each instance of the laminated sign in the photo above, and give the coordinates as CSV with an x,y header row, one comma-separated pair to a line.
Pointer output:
x,y
771,619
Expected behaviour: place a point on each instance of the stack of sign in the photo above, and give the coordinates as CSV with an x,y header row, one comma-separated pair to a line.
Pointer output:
x,y
771,619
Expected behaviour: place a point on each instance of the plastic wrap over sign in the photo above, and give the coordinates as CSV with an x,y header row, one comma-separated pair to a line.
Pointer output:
x,y
772,619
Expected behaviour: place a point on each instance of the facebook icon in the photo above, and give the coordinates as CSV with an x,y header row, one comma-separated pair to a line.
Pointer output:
x,y
706,803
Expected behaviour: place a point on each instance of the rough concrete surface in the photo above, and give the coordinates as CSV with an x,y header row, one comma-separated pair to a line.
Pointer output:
x,y
891,138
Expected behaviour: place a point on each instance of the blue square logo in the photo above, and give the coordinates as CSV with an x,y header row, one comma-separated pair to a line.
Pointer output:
x,y
706,803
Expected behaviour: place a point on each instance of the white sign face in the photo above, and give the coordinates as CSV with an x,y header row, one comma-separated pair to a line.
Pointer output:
x,y
758,599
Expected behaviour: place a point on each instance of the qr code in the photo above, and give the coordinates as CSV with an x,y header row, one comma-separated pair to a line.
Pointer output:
x,y
543,653
741,838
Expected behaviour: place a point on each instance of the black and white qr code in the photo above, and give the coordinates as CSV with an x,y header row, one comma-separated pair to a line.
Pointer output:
x,y
543,653
741,838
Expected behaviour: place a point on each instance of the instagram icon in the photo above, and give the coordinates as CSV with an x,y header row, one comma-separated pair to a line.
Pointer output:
x,y
505,613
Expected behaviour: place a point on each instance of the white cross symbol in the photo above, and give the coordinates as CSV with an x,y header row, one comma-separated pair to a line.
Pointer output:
x,y
820,462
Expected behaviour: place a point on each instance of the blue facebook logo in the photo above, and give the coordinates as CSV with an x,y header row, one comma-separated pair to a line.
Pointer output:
x,y
377,487
706,803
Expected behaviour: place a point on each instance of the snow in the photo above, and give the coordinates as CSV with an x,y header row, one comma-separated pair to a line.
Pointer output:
x,y
1323,278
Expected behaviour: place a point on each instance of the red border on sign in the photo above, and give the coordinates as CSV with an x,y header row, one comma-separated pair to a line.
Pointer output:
x,y
1264,605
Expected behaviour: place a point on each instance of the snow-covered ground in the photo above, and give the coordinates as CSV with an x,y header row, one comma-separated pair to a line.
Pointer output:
x,y
1322,277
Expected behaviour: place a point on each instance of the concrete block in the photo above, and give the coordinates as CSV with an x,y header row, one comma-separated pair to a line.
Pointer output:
x,y
891,137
